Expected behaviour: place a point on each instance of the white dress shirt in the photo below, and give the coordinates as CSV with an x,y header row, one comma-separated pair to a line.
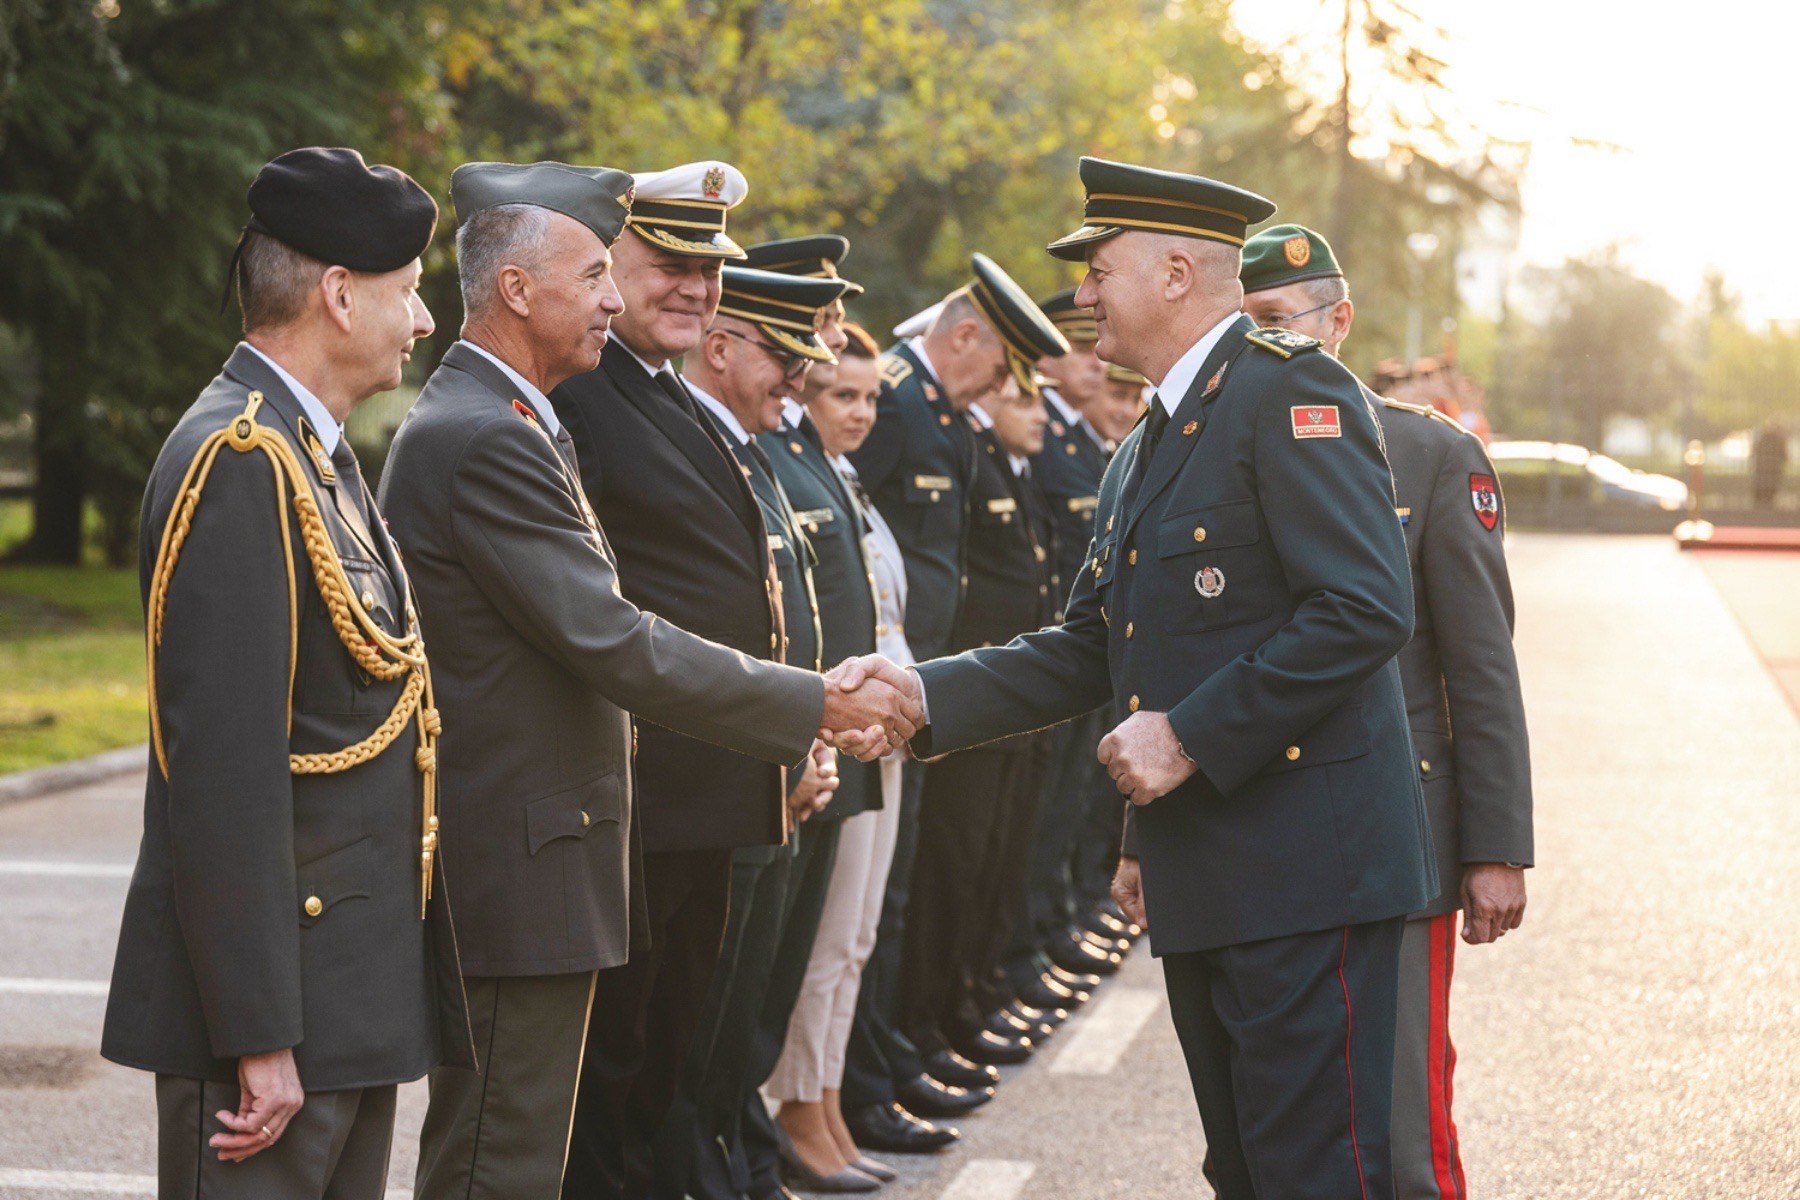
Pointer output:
x,y
726,417
324,424
1173,388
539,402
1061,408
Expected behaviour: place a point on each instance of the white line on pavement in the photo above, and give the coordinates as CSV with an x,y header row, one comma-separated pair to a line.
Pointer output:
x,y
105,1183
53,987
1101,1037
989,1179
79,870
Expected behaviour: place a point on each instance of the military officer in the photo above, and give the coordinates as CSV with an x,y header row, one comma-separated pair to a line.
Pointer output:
x,y
1242,607
546,663
1068,470
1463,701
755,355
978,805
917,465
285,957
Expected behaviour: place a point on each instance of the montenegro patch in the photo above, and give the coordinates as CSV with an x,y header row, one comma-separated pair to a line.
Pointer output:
x,y
1484,494
1316,421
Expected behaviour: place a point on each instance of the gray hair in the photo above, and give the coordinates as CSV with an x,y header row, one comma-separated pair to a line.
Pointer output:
x,y
505,235
1328,291
273,281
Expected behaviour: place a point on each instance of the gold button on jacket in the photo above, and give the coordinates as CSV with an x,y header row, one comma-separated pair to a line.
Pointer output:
x,y
314,906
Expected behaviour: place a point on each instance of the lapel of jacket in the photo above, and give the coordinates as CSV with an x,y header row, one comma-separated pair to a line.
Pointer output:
x,y
247,367
1172,451
812,455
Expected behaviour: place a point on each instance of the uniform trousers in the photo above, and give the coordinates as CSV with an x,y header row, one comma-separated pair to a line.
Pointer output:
x,y
1006,880
1290,1047
966,819
644,1017
878,1054
503,1133
1096,855
335,1148
1047,903
818,1033
1427,1156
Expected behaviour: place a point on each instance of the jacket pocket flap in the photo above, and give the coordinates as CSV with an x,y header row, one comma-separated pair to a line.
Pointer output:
x,y
1341,735
573,811
339,875
1216,527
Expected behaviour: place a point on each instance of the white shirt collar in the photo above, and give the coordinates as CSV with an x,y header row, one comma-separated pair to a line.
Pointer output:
x,y
917,346
792,412
1019,464
639,359
726,417
1061,406
844,466
979,415
1174,386
538,401
324,424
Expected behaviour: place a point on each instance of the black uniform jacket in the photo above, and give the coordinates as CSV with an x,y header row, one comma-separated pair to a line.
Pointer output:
x,y
831,520
1461,677
1068,470
693,549
218,956
1255,589
917,466
540,664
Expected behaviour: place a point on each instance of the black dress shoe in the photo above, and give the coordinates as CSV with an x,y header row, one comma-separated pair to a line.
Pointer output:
x,y
1107,925
1075,981
926,1096
985,1047
890,1128
947,1066
1052,1016
1073,954
1046,992
1011,1025
1106,943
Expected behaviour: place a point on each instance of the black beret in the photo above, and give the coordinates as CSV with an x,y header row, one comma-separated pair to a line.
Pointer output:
x,y
784,307
817,256
1121,197
598,197
328,204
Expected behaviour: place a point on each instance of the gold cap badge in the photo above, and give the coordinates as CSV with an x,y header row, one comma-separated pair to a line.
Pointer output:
x,y
1297,250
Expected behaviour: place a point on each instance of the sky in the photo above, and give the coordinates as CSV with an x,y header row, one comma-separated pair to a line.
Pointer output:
x,y
1702,103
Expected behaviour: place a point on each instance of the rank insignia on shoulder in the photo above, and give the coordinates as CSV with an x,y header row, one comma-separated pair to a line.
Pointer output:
x,y
525,410
895,370
1284,342
315,450
1484,494
1316,421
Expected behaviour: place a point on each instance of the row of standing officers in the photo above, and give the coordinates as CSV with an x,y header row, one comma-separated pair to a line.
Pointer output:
x,y
661,922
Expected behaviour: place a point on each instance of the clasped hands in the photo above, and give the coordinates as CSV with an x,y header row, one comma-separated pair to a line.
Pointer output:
x,y
872,707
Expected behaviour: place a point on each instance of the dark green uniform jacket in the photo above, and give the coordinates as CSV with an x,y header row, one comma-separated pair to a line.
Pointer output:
x,y
1068,469
917,465
1460,674
220,952
831,520
1256,591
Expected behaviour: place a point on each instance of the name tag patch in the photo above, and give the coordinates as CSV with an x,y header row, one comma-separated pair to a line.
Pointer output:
x,y
1316,421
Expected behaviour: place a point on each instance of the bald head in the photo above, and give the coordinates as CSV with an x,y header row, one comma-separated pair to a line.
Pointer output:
x,y
1155,294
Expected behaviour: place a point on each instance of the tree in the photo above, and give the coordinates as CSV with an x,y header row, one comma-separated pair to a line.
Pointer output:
x,y
128,134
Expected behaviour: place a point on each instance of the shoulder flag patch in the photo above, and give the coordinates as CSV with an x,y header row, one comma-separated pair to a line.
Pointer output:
x,y
1316,421
1484,494
1283,342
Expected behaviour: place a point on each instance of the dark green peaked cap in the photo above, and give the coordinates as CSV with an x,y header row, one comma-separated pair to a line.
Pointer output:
x,y
598,197
1284,254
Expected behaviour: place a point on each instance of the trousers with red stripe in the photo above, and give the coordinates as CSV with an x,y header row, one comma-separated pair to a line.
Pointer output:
x,y
1427,1159
1290,1046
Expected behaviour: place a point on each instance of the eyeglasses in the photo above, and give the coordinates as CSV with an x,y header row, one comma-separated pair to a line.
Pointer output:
x,y
1306,313
792,365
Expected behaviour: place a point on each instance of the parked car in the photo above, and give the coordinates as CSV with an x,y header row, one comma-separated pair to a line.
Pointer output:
x,y
1529,463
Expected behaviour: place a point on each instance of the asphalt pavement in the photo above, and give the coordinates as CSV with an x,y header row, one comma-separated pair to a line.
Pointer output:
x,y
1639,1037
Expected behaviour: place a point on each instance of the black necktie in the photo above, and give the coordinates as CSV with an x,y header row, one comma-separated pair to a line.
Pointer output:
x,y
350,479
665,379
1154,424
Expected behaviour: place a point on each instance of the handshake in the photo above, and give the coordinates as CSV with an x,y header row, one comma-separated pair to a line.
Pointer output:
x,y
872,707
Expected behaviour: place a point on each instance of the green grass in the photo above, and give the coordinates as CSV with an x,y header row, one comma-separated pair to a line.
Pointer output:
x,y
72,656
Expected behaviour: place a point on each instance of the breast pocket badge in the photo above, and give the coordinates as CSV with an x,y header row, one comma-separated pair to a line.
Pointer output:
x,y
1209,582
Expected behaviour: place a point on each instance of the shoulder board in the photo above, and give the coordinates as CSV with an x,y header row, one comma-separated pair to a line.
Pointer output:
x,y
1422,410
1453,423
895,370
1282,342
